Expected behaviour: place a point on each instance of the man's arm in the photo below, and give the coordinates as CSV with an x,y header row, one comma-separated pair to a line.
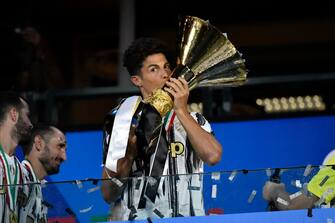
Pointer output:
x,y
277,193
112,189
206,146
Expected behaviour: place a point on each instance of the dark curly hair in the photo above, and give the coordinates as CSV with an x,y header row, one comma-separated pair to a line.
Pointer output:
x,y
139,50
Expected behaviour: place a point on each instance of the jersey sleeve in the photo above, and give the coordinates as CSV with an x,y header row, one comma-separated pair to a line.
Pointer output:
x,y
202,121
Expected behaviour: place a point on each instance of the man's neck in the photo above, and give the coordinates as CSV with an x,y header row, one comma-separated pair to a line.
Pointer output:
x,y
37,167
7,142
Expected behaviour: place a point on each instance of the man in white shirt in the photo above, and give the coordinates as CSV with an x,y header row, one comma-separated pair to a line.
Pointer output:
x,y
15,126
183,143
44,154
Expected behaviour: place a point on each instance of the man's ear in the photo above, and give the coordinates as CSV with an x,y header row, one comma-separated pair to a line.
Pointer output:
x,y
136,80
39,143
13,114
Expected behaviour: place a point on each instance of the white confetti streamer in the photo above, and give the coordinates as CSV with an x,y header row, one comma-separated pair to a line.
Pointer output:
x,y
252,196
79,184
292,196
296,183
216,176
214,191
308,170
232,175
282,201
93,189
86,209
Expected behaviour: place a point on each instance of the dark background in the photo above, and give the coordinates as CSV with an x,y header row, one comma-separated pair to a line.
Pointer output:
x,y
288,50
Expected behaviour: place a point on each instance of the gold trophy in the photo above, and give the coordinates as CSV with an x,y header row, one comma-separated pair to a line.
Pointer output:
x,y
206,58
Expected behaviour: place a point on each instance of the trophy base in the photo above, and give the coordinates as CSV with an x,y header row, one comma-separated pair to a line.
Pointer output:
x,y
161,101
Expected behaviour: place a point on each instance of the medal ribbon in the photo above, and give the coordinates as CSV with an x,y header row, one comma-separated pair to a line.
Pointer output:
x,y
168,120
119,139
155,141
11,187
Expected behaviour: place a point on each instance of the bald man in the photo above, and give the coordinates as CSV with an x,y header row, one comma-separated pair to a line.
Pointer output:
x,y
44,155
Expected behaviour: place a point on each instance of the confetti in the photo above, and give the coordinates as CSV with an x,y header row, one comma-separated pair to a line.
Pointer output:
x,y
86,209
292,196
79,184
282,201
93,189
308,170
214,191
296,183
232,175
216,176
252,196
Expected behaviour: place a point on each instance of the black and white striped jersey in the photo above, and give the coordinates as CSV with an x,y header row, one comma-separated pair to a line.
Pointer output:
x,y
35,209
11,173
178,191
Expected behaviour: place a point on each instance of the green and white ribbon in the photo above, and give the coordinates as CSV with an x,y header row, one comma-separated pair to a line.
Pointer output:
x,y
11,187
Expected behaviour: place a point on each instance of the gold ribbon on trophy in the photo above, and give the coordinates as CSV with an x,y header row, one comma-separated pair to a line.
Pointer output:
x,y
206,58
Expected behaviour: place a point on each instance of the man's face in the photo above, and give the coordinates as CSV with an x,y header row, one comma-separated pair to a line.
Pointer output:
x,y
153,74
54,153
23,126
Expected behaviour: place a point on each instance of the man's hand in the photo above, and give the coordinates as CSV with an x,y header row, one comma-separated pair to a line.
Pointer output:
x,y
111,191
178,88
271,190
132,146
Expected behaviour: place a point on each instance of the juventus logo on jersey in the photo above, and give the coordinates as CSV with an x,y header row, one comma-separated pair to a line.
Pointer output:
x,y
176,149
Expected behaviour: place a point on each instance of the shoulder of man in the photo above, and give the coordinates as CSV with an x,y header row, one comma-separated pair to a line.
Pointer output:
x,y
27,173
202,121
108,126
110,117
